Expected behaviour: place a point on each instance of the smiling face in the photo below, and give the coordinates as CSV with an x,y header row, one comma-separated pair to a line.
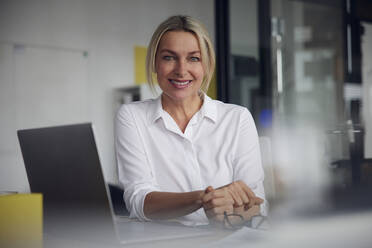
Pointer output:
x,y
178,66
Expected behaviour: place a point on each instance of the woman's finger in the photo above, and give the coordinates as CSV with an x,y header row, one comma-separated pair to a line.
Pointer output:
x,y
253,199
237,199
247,190
214,194
219,210
233,190
259,200
243,195
218,202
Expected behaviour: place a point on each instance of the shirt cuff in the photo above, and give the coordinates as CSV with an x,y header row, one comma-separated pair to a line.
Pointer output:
x,y
264,208
137,202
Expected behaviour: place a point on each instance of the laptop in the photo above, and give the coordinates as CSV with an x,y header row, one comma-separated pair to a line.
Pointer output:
x,y
63,164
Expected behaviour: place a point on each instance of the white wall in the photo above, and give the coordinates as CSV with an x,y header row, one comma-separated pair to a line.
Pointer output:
x,y
108,30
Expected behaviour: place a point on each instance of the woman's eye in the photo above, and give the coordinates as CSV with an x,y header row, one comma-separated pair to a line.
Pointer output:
x,y
168,57
195,59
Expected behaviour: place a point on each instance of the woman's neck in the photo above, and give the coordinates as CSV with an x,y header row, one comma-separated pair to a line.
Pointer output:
x,y
181,111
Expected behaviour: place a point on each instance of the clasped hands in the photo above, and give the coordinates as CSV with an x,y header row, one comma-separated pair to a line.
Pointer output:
x,y
235,198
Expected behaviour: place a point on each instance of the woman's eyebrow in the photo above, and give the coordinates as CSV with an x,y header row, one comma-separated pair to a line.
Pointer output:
x,y
194,52
167,51
172,52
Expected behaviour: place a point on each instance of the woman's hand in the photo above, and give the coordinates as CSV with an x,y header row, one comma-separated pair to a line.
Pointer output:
x,y
216,202
242,195
235,198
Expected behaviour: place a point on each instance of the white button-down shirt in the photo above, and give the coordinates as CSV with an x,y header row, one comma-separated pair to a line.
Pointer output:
x,y
219,146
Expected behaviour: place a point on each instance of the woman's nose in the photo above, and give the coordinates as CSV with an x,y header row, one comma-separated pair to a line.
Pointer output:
x,y
181,68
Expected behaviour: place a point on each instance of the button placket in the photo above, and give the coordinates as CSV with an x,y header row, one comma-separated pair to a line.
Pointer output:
x,y
191,156
197,176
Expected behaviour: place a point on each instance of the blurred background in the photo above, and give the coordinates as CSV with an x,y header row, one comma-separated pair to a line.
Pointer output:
x,y
302,67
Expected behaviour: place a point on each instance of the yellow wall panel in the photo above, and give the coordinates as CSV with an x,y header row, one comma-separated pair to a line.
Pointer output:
x,y
212,90
140,64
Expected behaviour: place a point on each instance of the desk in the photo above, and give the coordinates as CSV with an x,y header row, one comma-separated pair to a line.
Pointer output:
x,y
56,241
347,230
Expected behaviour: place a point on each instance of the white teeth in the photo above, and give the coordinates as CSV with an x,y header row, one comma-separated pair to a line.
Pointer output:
x,y
179,83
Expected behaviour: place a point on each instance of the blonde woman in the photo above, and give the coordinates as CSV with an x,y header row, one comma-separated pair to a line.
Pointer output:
x,y
183,155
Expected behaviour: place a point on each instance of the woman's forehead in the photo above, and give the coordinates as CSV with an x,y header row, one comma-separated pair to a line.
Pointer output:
x,y
179,41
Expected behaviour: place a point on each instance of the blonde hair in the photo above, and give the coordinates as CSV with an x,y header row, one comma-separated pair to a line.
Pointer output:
x,y
187,24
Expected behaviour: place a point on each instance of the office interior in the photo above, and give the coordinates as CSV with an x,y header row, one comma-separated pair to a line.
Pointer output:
x,y
302,67
308,88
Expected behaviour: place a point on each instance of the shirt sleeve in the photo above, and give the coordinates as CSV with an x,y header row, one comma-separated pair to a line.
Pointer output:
x,y
247,160
134,171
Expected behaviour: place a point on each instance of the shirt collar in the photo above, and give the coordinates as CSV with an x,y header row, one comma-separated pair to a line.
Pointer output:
x,y
208,109
155,111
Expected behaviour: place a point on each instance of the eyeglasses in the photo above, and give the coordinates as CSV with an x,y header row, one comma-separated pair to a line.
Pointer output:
x,y
254,222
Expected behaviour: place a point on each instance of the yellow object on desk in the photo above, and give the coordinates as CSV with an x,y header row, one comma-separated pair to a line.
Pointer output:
x,y
21,220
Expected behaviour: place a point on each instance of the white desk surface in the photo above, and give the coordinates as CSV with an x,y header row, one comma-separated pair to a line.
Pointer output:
x,y
193,242
347,230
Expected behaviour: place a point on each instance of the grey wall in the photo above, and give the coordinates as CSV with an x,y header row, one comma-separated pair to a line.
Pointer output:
x,y
367,87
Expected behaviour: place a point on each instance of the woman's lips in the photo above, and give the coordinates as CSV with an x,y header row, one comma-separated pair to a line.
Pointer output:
x,y
180,84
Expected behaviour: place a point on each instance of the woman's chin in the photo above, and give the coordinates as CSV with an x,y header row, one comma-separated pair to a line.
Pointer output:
x,y
180,96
